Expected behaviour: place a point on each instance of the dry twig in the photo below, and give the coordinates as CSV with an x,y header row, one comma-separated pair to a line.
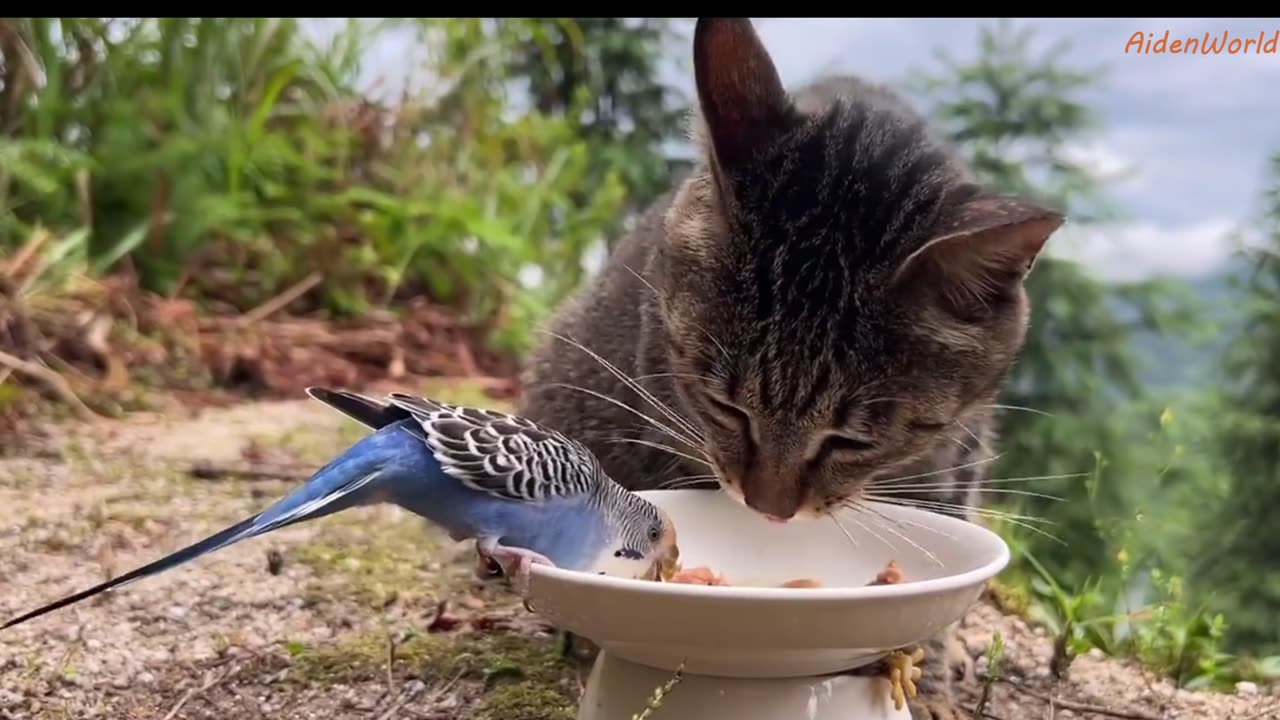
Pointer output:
x,y
1079,706
205,470
292,293
51,380
211,682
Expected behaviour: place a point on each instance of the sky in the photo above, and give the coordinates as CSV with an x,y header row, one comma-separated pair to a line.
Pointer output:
x,y
1194,132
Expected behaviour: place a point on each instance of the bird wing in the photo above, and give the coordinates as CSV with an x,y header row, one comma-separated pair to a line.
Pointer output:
x,y
365,410
504,455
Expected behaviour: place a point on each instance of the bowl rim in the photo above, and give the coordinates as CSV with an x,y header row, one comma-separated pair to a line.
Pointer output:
x,y
932,586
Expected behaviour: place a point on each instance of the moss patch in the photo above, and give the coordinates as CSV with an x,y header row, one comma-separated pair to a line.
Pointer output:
x,y
509,676
525,701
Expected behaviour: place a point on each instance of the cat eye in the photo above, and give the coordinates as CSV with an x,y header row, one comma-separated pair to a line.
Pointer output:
x,y
727,410
835,444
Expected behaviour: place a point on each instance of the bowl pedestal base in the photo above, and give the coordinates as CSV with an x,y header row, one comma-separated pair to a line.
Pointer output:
x,y
619,689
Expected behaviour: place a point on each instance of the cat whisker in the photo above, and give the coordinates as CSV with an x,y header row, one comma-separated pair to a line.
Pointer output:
x,y
994,491
695,376
1017,407
687,481
639,389
899,521
873,533
843,529
1021,521
712,338
1067,476
975,437
880,400
660,446
875,516
655,423
886,481
944,505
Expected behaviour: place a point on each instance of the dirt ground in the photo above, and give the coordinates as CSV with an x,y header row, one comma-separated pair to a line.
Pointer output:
x,y
367,614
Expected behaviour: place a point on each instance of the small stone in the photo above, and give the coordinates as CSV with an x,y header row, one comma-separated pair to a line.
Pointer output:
x,y
1245,688
92,644
1096,654
120,683
146,678
176,612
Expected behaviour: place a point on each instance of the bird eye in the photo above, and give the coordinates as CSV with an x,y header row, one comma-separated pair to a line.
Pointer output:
x,y
655,534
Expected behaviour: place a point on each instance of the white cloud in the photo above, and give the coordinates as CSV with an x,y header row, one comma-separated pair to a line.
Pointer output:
x,y
1136,251
1099,158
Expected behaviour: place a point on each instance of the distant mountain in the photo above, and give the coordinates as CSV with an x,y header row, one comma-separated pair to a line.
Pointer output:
x,y
1178,362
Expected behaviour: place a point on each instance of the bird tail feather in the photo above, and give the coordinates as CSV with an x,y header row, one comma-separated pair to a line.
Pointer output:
x,y
333,488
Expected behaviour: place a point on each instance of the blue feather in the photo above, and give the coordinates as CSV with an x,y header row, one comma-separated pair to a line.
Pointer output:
x,y
395,465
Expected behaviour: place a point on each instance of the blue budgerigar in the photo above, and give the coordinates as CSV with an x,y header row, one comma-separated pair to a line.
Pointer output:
x,y
524,493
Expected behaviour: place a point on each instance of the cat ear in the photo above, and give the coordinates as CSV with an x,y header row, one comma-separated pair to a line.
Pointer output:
x,y
983,252
739,91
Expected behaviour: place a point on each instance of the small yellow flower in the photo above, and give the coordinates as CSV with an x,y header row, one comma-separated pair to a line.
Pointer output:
x,y
1123,556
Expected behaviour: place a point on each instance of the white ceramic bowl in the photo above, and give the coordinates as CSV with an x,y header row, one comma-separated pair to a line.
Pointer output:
x,y
773,632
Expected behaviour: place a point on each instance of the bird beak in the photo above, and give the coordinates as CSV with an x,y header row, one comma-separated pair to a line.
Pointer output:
x,y
669,565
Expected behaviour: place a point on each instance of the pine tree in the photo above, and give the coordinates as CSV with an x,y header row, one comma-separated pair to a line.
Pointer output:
x,y
1239,567
1015,114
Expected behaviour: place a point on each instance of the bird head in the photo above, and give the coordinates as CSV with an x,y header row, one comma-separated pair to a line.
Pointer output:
x,y
644,546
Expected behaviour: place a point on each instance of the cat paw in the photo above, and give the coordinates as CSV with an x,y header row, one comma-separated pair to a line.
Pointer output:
x,y
936,710
903,674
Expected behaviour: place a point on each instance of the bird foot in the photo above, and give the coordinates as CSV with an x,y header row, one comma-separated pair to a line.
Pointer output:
x,y
904,671
515,562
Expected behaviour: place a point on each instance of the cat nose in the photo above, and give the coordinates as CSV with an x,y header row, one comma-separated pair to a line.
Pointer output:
x,y
778,504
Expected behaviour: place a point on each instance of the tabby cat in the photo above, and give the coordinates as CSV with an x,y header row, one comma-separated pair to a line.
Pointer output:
x,y
828,301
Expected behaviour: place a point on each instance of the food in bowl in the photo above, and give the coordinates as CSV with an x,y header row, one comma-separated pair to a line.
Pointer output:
x,y
703,575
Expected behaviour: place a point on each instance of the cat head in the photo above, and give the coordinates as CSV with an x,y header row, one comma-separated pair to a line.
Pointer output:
x,y
837,293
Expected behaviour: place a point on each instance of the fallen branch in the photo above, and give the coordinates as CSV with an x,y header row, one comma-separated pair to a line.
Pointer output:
x,y
51,380
269,307
205,470
980,713
210,683
1079,706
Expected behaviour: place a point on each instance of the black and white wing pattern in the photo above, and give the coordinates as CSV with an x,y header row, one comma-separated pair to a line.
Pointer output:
x,y
367,411
505,455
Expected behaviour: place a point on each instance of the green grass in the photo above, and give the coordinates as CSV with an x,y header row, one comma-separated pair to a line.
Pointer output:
x,y
1135,602
520,677
227,159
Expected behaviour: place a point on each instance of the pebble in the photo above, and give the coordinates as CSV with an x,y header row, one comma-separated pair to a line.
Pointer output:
x,y
146,678
1246,689
176,612
1096,654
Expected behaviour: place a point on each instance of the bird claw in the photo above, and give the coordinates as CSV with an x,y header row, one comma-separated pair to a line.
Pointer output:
x,y
516,563
904,671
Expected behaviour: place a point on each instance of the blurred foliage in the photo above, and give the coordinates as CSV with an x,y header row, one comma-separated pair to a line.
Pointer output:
x,y
605,68
1241,562
226,159
1014,114
1137,475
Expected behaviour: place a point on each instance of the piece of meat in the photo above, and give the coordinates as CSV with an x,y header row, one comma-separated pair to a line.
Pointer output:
x,y
802,583
890,575
697,576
